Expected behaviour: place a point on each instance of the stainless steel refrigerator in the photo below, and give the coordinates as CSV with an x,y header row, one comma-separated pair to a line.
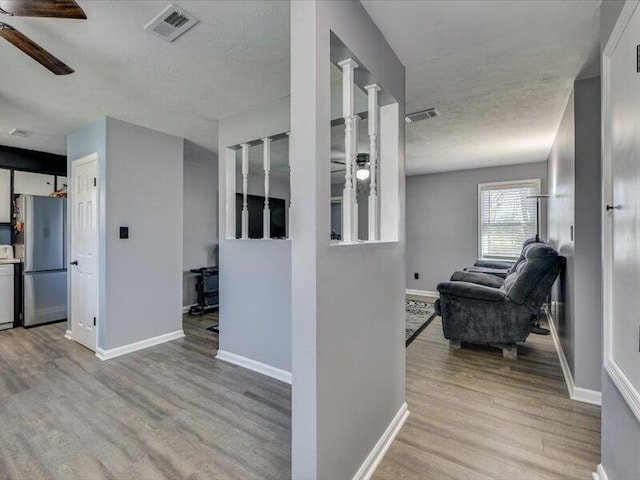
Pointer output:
x,y
41,245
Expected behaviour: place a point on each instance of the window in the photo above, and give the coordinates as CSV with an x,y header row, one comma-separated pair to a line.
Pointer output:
x,y
506,217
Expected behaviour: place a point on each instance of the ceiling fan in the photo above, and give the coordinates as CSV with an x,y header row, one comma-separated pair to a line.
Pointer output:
x,y
38,8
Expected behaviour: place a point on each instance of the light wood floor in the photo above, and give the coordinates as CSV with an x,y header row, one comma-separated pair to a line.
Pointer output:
x,y
475,415
170,411
173,411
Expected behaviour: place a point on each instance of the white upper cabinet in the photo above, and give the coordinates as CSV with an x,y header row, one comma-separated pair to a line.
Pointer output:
x,y
61,182
27,183
5,196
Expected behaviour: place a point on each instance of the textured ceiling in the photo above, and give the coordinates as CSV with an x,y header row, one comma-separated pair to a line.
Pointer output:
x,y
235,58
499,72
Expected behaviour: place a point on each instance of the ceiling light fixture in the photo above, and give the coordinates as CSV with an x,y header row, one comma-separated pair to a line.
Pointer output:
x,y
362,161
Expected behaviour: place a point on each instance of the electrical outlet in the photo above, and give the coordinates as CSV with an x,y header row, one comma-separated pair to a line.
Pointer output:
x,y
416,275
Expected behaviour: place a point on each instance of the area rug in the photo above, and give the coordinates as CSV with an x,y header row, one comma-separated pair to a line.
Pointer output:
x,y
419,316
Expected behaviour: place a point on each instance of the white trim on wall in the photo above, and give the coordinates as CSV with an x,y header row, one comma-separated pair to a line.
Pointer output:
x,y
624,385
421,293
600,474
377,453
254,365
578,394
133,347
185,308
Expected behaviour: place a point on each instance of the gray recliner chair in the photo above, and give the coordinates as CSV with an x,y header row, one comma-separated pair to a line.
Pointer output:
x,y
499,316
490,276
500,268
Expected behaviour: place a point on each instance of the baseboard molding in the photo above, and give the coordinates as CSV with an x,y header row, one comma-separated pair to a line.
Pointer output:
x,y
68,335
422,293
578,394
134,347
600,474
254,365
368,467
186,308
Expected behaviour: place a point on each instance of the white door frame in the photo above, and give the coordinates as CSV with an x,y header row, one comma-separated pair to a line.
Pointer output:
x,y
70,194
628,391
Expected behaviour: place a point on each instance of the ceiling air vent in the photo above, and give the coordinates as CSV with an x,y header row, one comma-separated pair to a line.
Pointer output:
x,y
423,115
16,132
171,23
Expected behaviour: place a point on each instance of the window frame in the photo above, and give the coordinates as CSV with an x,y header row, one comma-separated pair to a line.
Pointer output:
x,y
507,183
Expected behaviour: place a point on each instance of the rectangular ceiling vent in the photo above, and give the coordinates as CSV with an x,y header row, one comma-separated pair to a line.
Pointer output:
x,y
16,132
423,115
171,23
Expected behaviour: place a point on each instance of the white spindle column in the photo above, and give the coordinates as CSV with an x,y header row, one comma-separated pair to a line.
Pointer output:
x,y
348,106
245,208
354,164
373,121
266,214
288,220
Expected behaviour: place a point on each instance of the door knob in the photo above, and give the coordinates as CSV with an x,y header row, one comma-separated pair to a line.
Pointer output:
x,y
613,207
75,262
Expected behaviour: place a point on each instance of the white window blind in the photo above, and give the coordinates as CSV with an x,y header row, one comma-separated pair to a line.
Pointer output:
x,y
507,217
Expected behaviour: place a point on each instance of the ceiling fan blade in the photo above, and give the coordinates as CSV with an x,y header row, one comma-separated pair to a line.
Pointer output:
x,y
42,8
34,50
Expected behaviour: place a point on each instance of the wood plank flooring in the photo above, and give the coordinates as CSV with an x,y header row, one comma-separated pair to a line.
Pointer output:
x,y
173,411
475,415
170,411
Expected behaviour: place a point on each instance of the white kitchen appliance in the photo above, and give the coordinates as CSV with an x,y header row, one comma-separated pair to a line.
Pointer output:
x,y
6,288
6,252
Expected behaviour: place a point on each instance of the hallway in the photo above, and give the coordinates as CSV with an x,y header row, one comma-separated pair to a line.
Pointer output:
x,y
475,415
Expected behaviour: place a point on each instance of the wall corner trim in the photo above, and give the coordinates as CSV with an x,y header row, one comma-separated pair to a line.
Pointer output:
x,y
368,467
578,394
259,367
133,347
600,474
68,335
422,293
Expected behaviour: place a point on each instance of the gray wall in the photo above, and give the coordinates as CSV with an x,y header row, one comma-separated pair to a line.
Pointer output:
x,y
588,236
561,207
255,275
442,219
620,428
347,301
575,201
141,187
200,219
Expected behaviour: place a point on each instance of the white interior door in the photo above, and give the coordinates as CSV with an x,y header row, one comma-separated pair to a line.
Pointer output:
x,y
623,212
84,250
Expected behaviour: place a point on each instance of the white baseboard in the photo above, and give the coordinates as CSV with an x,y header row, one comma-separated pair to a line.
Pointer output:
x,y
578,394
68,335
186,308
368,467
587,396
422,293
600,474
133,347
254,365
